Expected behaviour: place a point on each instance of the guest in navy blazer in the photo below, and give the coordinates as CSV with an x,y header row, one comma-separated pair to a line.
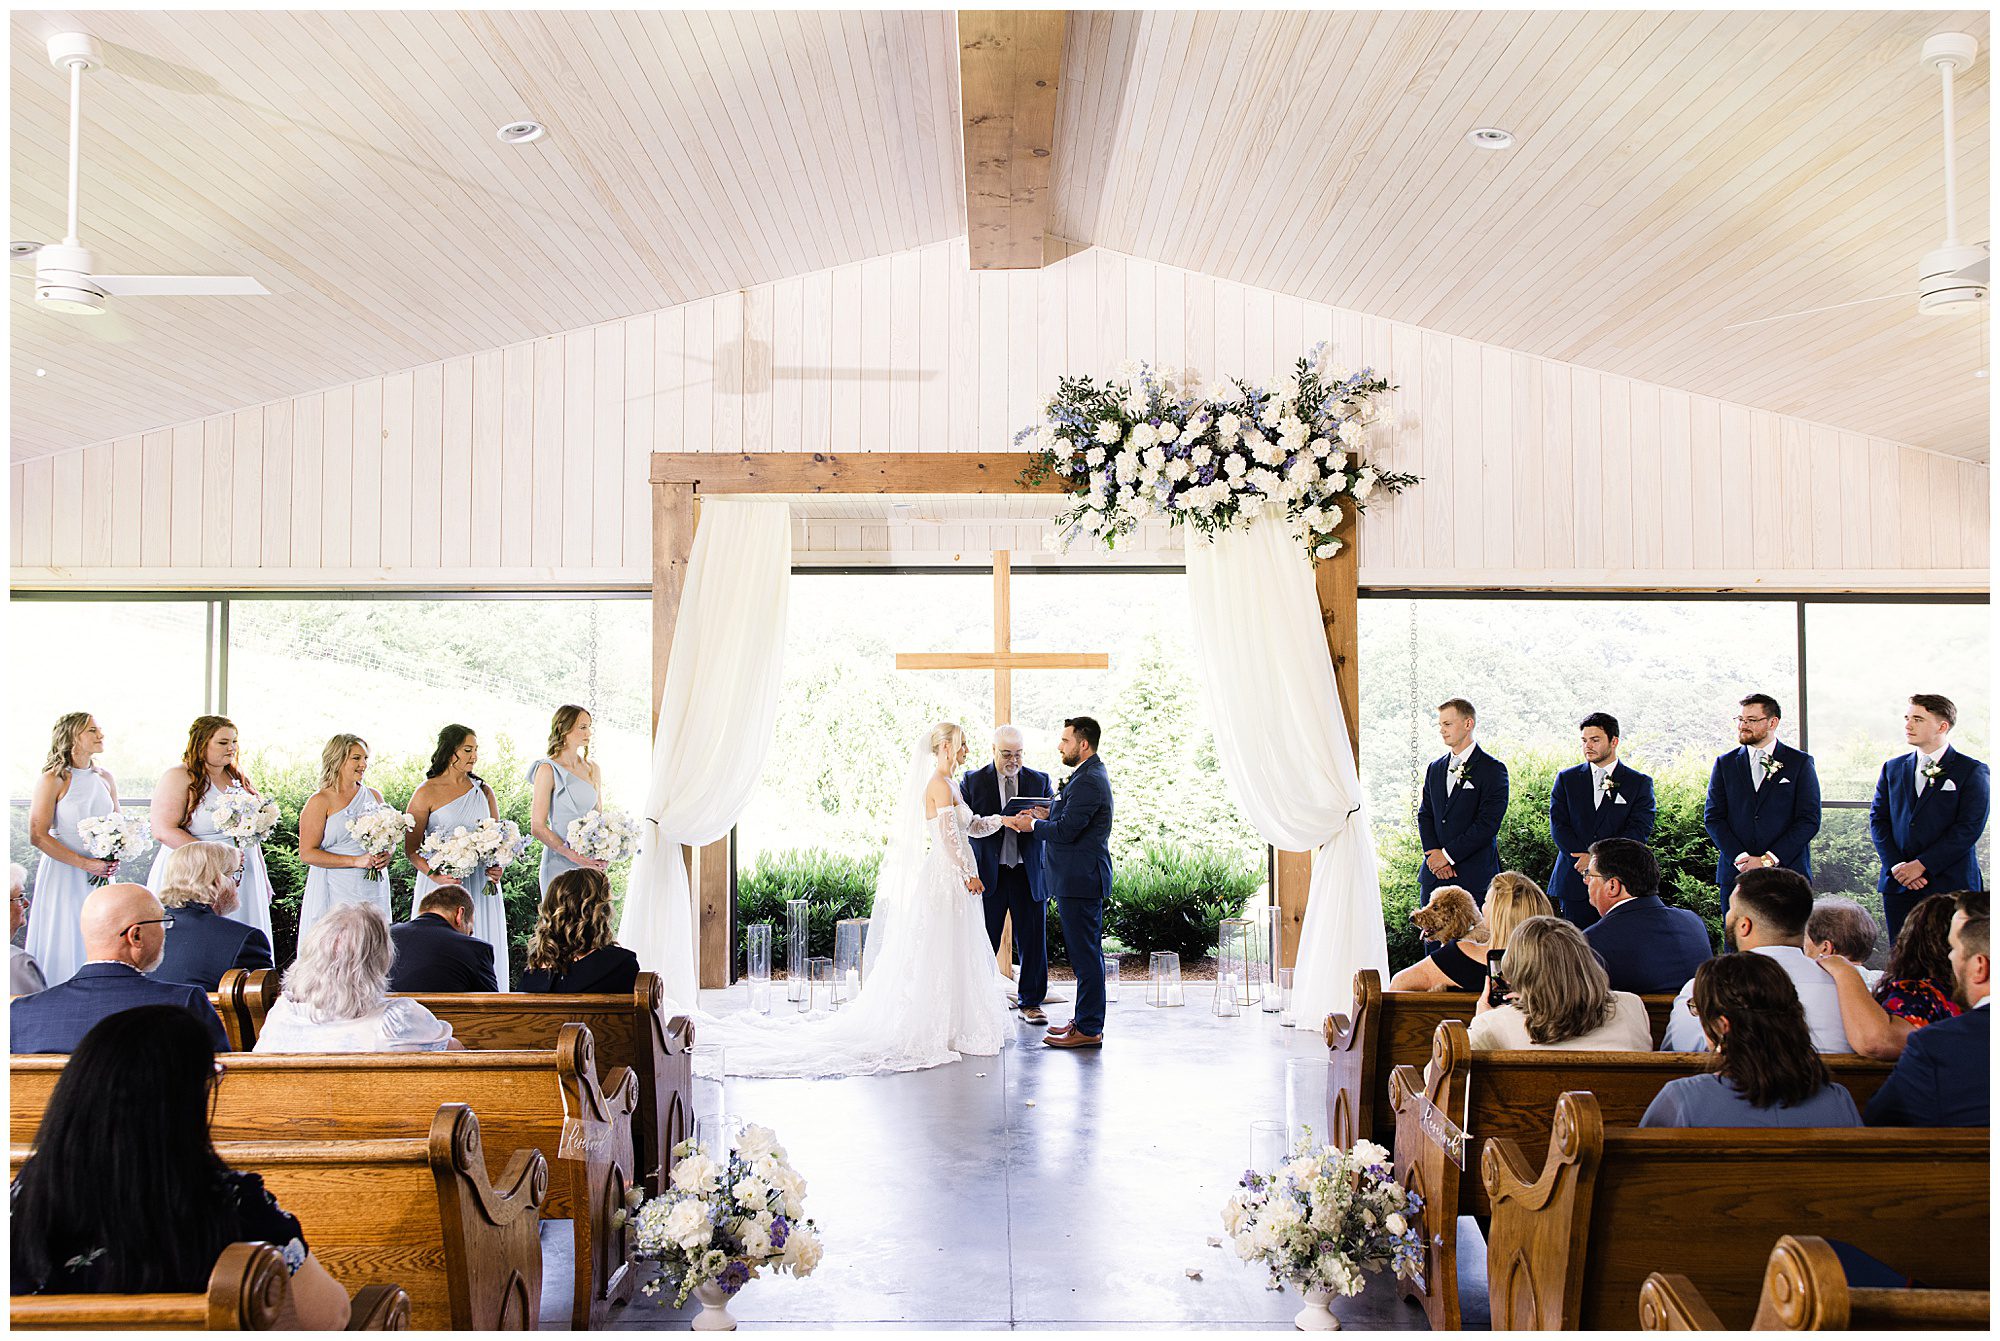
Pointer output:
x,y
435,951
124,934
1647,945
1763,799
1942,1077
1464,800
1930,808
198,886
1010,866
1599,798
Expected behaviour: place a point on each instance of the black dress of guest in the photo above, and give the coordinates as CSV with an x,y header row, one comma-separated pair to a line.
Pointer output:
x,y
609,968
254,1215
1466,973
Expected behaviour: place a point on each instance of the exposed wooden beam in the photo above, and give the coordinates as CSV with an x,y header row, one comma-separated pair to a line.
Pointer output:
x,y
1009,61
1012,661
859,473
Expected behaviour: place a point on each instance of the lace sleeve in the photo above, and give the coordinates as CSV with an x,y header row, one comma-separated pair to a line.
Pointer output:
x,y
952,842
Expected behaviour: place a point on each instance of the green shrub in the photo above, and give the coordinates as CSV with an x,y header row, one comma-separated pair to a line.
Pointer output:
x,y
1172,898
837,885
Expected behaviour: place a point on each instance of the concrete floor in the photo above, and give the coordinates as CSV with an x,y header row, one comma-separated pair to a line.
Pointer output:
x,y
1039,1190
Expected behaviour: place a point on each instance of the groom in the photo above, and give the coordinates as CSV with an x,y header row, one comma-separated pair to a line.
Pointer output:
x,y
1075,836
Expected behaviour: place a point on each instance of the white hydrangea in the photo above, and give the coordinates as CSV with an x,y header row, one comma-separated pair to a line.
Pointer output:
x,y
1094,457
1364,483
1177,469
1107,431
1352,433
1201,455
1269,418
1229,425
688,1225
1142,436
1169,431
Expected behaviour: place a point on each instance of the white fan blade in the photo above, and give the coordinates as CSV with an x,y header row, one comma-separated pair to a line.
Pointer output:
x,y
1977,272
1831,307
179,286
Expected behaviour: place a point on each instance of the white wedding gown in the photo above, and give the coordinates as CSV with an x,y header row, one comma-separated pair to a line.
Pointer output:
x,y
931,994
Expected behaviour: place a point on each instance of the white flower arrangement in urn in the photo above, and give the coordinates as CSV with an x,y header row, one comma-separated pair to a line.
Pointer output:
x,y
719,1225
1322,1218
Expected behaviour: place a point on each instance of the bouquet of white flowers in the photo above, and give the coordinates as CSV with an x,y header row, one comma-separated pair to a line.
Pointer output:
x,y
1324,1216
380,831
244,819
500,841
113,837
727,1222
604,835
453,855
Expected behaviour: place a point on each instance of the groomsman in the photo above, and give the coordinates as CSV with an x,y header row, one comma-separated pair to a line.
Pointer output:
x,y
1929,810
1763,799
1465,797
1595,800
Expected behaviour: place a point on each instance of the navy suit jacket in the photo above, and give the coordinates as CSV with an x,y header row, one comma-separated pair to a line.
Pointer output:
x,y
56,1020
1938,828
1941,1078
1780,817
1076,837
982,792
1648,945
204,945
1576,821
1464,822
431,957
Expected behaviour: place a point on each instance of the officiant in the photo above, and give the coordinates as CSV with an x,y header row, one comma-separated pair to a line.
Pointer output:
x,y
1010,864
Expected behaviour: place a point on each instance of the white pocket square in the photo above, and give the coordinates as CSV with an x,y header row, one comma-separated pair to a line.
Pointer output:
x,y
1950,786
1465,786
1786,782
1619,801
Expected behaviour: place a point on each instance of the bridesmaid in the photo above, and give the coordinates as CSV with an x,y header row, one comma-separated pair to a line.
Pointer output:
x,y
336,869
208,772
71,789
565,786
453,795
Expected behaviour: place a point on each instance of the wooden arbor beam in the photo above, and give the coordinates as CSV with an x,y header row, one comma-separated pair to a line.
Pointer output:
x,y
855,473
1009,62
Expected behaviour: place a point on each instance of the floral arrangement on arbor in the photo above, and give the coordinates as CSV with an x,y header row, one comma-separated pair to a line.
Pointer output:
x,y
1325,1216
1150,443
723,1223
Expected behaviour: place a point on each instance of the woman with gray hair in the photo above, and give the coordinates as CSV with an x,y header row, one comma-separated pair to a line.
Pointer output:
x,y
24,976
198,886
336,996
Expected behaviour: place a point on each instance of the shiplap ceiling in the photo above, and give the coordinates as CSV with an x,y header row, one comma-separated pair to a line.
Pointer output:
x,y
1675,172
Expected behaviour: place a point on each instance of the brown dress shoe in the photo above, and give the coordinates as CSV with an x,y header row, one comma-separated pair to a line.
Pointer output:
x,y
1033,1015
1075,1039
1060,1030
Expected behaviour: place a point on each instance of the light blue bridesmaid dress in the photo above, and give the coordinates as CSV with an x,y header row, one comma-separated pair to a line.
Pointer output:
x,y
253,882
329,887
55,935
574,798
489,911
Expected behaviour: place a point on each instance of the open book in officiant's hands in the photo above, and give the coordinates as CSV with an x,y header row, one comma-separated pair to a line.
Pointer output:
x,y
1021,803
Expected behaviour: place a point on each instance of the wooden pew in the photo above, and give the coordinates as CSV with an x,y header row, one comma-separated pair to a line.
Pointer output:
x,y
522,1098
1463,1099
246,1292
467,1253
1573,1241
1805,1290
231,999
1391,1029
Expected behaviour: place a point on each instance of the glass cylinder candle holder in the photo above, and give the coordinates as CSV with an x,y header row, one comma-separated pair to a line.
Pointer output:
x,y
1267,1145
1285,1017
1305,1097
1110,978
820,978
1224,1003
711,1096
1267,924
850,937
1235,961
1163,979
798,928
757,952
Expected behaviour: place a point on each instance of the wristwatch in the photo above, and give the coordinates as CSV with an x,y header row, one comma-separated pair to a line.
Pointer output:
x,y
1769,860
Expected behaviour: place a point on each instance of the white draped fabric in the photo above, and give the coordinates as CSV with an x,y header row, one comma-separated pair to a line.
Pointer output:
x,y
716,718
1284,748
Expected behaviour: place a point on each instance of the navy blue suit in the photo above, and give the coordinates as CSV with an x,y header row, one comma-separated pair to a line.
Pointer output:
x,y
56,1020
431,957
1464,821
1938,828
204,945
1076,871
1941,1078
1648,945
1780,817
1576,821
1019,890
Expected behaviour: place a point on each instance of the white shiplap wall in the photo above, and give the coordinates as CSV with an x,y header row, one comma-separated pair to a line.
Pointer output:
x,y
526,466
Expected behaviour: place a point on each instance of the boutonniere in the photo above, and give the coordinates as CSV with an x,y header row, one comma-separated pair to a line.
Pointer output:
x,y
1771,764
1933,770
1610,785
1456,769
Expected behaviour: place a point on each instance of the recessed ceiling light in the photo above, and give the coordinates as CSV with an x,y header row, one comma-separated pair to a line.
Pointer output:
x,y
521,132
23,248
41,372
1490,137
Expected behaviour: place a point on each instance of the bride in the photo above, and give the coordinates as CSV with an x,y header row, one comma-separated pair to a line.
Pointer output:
x,y
930,991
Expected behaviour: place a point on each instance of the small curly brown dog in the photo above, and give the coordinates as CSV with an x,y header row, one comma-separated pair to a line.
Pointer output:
x,y
1451,915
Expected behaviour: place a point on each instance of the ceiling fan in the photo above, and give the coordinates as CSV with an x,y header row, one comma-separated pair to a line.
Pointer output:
x,y
1954,277
64,279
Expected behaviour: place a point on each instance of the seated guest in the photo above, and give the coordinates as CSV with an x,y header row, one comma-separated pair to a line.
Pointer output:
x,y
1649,946
1766,1072
1767,915
26,974
124,1193
1511,899
1559,997
1914,991
439,950
198,883
1941,1080
1843,927
336,996
573,950
124,935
